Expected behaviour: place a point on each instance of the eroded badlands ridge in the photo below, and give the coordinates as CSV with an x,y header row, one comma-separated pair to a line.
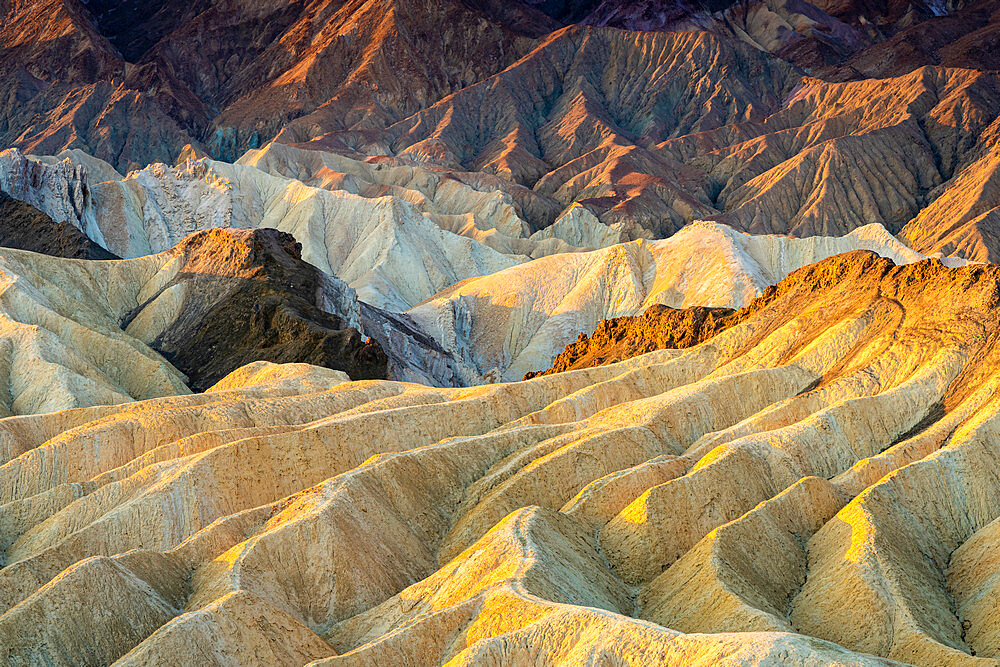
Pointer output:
x,y
659,328
24,227
79,333
227,297
504,325
820,472
442,263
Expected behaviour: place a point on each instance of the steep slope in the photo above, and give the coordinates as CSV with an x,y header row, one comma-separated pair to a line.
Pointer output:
x,y
584,104
65,86
952,34
647,131
449,197
965,216
224,298
62,346
659,328
669,139
80,333
506,324
24,227
834,39
382,246
146,79
820,472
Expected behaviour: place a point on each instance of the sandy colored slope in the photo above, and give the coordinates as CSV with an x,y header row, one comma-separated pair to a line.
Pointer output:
x,y
818,473
77,333
382,246
62,343
509,323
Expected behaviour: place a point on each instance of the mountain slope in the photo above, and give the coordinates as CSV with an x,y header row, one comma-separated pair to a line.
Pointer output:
x,y
24,227
226,297
509,323
229,74
80,333
648,131
669,138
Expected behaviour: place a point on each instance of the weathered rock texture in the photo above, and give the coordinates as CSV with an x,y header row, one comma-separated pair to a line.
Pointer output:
x,y
812,485
230,297
637,128
24,227
77,333
519,119
659,328
142,80
835,39
504,325
383,246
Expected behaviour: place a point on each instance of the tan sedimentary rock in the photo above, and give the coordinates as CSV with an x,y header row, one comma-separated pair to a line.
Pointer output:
x,y
76,333
813,484
515,321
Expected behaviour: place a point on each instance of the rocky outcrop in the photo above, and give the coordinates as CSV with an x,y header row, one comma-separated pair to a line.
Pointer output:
x,y
799,155
383,247
24,227
811,485
659,328
516,321
230,297
82,333
835,39
144,81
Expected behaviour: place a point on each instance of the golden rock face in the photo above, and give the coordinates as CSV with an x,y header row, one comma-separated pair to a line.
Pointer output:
x,y
814,484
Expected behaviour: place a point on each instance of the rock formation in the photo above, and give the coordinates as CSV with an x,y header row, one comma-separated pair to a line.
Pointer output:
x,y
229,297
146,79
697,112
290,427
61,340
383,247
509,323
659,328
82,333
24,227
811,485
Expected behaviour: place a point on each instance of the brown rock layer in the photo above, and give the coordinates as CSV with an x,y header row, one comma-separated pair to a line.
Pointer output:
x,y
24,227
247,296
659,328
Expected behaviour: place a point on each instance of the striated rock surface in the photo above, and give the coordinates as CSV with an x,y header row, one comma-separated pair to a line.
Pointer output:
x,y
495,123
228,297
383,246
494,120
506,324
811,485
79,333
145,79
797,155
61,344
24,227
659,328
